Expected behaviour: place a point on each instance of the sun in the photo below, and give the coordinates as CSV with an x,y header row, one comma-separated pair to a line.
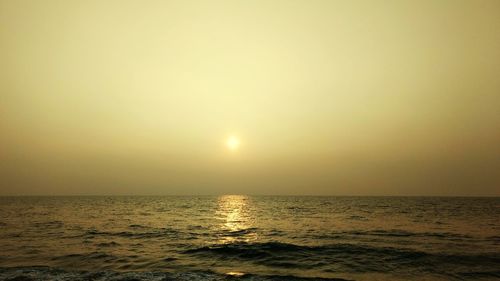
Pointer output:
x,y
233,143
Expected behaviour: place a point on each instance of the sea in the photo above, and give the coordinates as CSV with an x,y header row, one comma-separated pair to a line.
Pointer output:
x,y
237,237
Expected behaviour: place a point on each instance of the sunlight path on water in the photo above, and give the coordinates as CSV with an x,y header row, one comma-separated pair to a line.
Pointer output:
x,y
235,218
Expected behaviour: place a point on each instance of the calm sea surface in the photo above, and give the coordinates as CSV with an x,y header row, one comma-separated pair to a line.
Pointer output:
x,y
249,238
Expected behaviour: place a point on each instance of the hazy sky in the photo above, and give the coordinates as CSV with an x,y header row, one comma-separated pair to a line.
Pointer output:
x,y
325,97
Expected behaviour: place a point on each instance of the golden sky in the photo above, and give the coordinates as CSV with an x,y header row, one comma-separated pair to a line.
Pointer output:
x,y
355,97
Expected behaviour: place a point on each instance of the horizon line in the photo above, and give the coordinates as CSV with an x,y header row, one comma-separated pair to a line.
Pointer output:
x,y
229,194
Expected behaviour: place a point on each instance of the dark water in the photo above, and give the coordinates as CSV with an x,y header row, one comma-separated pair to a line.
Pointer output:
x,y
249,238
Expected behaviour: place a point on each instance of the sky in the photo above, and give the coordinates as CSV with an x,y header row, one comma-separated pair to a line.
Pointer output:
x,y
290,97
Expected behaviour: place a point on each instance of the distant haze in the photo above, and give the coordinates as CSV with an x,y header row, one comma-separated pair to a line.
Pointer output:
x,y
324,97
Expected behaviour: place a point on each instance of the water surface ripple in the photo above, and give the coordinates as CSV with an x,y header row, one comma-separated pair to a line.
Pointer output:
x,y
249,238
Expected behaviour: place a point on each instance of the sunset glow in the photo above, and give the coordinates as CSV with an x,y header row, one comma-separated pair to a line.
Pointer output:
x,y
252,140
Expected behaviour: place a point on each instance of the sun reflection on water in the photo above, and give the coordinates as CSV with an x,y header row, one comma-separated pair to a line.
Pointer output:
x,y
236,221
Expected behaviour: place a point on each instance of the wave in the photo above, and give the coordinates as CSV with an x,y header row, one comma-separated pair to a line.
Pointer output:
x,y
391,233
108,244
352,258
79,258
237,233
48,225
151,233
49,273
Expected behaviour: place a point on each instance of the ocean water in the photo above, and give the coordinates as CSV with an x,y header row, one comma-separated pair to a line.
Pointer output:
x,y
249,238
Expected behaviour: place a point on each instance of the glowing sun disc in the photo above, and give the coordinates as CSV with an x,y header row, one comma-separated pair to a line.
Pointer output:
x,y
233,143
